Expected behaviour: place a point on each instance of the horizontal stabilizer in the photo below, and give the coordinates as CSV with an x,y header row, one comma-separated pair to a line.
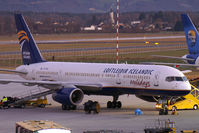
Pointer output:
x,y
171,64
173,57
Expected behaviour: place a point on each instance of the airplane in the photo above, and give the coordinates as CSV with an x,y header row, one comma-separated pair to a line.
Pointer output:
x,y
192,39
72,80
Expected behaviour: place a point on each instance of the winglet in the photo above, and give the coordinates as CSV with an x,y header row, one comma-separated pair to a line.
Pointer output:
x,y
29,49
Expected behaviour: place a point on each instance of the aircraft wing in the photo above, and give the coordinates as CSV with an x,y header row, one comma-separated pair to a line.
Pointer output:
x,y
29,82
173,57
174,64
13,71
54,84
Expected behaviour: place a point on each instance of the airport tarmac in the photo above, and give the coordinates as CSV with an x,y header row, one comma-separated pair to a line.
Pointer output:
x,y
108,119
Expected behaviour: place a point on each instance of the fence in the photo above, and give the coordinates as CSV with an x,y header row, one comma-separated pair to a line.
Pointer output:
x,y
105,52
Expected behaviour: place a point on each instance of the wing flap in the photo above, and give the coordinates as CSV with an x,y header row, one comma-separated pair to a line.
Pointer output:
x,y
89,87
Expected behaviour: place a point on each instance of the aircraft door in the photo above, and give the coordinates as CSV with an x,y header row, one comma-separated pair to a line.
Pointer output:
x,y
33,75
61,75
156,78
118,79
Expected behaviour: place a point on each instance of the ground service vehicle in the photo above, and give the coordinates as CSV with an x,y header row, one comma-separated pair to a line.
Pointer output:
x,y
39,102
22,103
189,101
91,106
41,126
161,126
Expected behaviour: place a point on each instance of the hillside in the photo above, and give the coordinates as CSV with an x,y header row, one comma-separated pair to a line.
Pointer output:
x,y
90,6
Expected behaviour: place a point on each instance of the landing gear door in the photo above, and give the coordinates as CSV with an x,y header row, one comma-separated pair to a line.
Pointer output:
x,y
156,79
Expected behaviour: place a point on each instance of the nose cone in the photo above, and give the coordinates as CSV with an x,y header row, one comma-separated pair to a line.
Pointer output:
x,y
185,87
188,86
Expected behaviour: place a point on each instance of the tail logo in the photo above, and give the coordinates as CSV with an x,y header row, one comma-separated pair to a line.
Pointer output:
x,y
192,37
22,35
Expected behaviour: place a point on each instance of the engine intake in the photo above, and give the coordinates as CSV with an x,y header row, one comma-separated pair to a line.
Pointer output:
x,y
68,96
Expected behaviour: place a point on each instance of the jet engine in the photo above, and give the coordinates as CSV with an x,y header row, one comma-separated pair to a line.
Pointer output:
x,y
68,96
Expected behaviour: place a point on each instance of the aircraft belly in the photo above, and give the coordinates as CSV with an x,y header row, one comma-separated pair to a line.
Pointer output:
x,y
138,91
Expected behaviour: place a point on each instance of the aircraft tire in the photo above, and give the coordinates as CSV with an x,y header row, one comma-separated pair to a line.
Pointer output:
x,y
166,112
73,107
109,104
23,106
174,108
119,104
42,106
161,112
64,107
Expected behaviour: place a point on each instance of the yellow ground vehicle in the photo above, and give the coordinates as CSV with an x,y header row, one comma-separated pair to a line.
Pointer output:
x,y
189,101
40,127
39,102
18,103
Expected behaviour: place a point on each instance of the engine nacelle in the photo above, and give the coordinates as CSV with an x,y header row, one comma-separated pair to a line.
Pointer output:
x,y
68,96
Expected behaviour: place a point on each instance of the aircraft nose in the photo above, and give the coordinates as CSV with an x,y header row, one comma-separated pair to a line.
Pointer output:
x,y
184,86
188,86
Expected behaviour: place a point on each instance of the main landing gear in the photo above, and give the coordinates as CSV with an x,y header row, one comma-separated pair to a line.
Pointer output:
x,y
114,103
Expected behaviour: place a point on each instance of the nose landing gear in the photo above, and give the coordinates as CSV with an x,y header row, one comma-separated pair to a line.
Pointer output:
x,y
164,103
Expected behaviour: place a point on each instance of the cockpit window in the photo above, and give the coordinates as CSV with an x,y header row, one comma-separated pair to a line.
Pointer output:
x,y
169,79
172,78
179,78
184,78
